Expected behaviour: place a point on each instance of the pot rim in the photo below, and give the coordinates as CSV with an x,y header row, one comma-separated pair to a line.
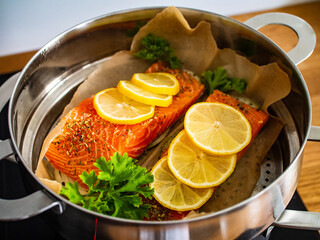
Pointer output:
x,y
242,204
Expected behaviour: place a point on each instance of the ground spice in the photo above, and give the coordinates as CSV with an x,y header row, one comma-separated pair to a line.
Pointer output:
x,y
157,212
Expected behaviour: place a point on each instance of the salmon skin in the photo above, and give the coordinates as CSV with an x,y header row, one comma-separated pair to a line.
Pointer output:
x,y
85,136
256,117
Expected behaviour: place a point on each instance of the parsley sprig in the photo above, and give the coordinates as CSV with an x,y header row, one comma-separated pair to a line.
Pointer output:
x,y
116,190
156,48
219,80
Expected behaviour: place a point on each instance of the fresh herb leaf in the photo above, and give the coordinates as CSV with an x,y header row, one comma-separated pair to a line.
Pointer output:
x,y
219,80
116,190
156,48
72,192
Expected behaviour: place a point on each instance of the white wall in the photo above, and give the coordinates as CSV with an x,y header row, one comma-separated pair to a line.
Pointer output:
x,y
27,25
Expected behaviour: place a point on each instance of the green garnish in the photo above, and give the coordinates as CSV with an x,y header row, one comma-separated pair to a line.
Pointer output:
x,y
115,190
220,80
157,48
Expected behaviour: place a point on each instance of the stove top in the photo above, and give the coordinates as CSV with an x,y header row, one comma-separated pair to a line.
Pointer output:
x,y
11,187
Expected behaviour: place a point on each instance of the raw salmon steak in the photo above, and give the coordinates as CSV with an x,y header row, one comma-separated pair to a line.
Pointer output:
x,y
85,136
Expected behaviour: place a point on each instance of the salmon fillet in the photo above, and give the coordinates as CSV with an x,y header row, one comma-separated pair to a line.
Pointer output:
x,y
256,117
85,136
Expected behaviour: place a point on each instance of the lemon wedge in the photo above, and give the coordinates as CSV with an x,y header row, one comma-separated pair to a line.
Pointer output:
x,y
159,82
195,167
140,95
172,193
115,107
217,128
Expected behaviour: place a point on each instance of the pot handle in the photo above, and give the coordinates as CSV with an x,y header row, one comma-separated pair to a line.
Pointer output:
x,y
305,33
6,89
31,205
301,219
314,134
298,220
303,49
35,203
6,149
26,207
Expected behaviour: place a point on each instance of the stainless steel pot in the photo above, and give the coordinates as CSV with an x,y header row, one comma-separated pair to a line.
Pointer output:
x,y
48,81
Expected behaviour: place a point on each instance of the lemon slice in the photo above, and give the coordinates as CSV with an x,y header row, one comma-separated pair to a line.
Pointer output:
x,y
114,107
196,168
160,82
172,193
138,94
217,128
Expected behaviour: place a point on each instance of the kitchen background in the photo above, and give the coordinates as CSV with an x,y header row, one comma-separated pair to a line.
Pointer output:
x,y
28,25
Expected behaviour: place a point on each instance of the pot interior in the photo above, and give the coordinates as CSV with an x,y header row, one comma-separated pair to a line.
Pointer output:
x,y
52,76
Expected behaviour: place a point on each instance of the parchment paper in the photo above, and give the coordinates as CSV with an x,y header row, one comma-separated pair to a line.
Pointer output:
x,y
195,47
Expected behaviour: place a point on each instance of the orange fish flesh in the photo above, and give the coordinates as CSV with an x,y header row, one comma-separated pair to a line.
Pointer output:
x,y
256,117
85,136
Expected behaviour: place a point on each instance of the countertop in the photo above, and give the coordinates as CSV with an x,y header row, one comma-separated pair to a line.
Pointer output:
x,y
309,183
28,25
